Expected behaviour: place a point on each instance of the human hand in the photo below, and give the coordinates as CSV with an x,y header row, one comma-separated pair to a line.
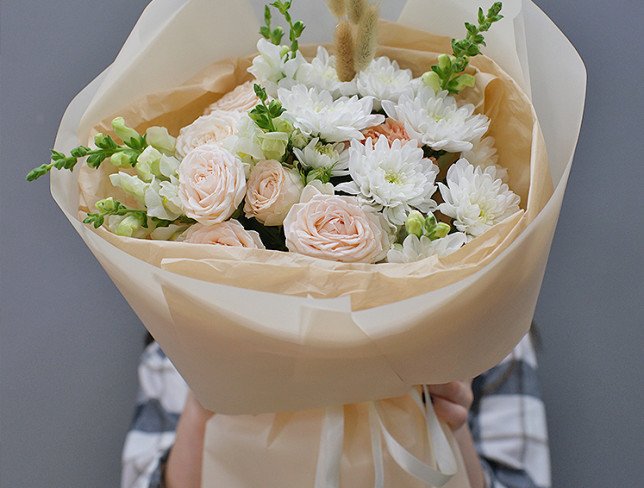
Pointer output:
x,y
452,402
184,463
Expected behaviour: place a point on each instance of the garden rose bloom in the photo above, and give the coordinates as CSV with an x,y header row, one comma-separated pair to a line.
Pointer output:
x,y
336,228
207,129
230,233
271,192
241,99
391,129
212,184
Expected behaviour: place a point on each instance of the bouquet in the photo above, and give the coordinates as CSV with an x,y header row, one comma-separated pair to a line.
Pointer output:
x,y
325,225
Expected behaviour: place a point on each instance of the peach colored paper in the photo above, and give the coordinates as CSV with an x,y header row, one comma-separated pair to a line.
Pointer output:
x,y
248,340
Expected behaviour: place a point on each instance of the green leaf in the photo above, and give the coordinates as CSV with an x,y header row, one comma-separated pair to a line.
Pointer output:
x,y
260,92
267,16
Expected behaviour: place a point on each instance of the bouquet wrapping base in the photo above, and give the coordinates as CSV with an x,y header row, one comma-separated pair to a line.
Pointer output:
x,y
393,443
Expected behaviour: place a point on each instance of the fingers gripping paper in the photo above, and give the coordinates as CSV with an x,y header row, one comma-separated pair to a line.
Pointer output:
x,y
255,332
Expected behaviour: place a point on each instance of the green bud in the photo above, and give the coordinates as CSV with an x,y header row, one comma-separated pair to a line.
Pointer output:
x,y
441,230
121,160
107,205
415,223
123,131
445,62
161,140
465,81
322,174
282,125
298,139
284,51
274,144
129,226
430,223
432,80
100,139
148,164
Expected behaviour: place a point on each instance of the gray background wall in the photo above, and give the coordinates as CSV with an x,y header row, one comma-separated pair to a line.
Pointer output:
x,y
69,345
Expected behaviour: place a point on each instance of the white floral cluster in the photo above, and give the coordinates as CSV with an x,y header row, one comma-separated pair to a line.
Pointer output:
x,y
381,168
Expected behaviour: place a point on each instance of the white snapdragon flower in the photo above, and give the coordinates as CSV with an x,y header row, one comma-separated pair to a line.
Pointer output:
x,y
434,119
246,142
315,113
331,157
384,80
162,199
477,199
484,155
394,179
272,68
321,73
131,185
414,248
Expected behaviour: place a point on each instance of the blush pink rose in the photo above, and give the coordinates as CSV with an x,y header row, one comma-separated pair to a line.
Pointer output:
x,y
212,184
391,129
271,192
241,99
207,129
230,233
336,228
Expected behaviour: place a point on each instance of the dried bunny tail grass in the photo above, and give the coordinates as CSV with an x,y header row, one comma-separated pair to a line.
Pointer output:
x,y
367,37
344,51
356,9
337,7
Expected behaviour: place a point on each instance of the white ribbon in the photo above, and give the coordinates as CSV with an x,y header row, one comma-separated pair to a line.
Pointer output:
x,y
331,444
332,440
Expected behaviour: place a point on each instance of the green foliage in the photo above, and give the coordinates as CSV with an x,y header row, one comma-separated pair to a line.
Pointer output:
x,y
264,113
160,223
448,73
109,206
106,147
267,31
275,35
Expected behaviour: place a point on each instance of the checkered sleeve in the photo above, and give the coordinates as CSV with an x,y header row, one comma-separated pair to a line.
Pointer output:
x,y
508,422
162,395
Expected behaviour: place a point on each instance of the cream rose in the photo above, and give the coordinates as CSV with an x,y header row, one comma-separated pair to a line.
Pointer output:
x,y
212,184
241,99
271,192
207,129
336,228
230,233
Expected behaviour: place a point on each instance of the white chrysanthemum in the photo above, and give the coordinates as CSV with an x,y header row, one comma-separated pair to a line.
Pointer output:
x,y
477,199
384,80
437,121
321,73
484,155
317,155
315,113
414,249
207,129
394,179
272,68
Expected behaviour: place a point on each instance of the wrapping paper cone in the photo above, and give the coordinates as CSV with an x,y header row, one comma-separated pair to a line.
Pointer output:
x,y
276,331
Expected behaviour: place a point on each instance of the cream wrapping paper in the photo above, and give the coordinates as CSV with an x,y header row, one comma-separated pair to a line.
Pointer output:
x,y
273,352
248,351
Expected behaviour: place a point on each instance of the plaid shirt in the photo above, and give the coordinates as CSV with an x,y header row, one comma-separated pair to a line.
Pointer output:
x,y
507,421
